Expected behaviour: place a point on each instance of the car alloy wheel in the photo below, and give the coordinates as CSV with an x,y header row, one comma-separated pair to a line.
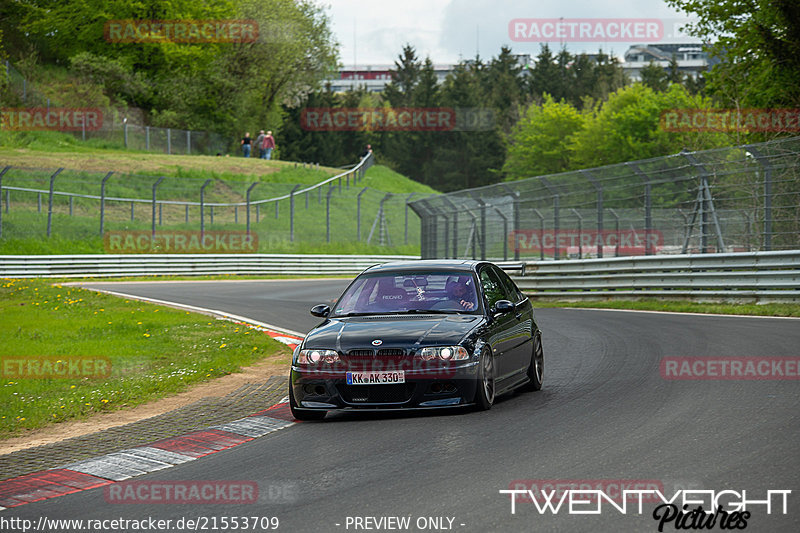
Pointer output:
x,y
486,390
536,368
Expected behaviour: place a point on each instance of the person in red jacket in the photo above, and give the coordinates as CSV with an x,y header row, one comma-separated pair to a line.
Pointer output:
x,y
267,146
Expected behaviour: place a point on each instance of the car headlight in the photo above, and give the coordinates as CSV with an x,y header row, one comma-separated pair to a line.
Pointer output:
x,y
316,356
445,353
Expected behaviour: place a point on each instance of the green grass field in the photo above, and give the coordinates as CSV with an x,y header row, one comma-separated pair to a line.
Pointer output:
x,y
156,351
24,224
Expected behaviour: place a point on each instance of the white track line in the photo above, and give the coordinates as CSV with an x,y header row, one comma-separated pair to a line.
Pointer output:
x,y
203,310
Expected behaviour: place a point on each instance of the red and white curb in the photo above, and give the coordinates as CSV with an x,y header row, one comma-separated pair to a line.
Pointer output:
x,y
158,455
161,454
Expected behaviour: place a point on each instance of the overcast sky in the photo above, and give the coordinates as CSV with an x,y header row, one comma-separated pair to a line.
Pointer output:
x,y
374,31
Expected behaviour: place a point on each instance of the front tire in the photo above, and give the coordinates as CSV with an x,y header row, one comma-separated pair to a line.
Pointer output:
x,y
484,396
536,368
303,414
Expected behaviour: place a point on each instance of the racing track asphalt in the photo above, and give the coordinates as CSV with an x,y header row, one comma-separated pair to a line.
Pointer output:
x,y
605,414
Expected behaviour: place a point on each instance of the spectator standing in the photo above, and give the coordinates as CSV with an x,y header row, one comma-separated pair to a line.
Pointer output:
x,y
268,145
367,151
246,142
259,141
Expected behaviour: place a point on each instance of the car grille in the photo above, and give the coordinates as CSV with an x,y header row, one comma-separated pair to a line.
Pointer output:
x,y
391,351
395,393
361,353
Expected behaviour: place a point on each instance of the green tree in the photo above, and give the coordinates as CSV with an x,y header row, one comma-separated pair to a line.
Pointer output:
x,y
628,127
539,143
654,76
758,42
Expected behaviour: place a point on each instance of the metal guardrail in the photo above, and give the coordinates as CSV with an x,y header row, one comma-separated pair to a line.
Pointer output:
x,y
761,276
50,266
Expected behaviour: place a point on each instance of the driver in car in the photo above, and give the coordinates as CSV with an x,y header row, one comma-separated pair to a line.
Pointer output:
x,y
461,294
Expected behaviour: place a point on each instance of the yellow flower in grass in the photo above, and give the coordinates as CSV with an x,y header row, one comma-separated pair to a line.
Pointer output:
x,y
223,345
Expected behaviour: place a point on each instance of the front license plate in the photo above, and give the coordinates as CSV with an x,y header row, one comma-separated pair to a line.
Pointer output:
x,y
375,378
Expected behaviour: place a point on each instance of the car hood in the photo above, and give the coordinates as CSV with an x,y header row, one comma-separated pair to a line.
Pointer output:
x,y
409,331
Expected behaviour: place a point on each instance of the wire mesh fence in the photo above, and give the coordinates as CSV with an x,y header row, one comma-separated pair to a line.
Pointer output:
x,y
111,127
742,198
82,205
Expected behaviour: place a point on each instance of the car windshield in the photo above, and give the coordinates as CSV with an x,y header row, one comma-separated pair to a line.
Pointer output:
x,y
409,292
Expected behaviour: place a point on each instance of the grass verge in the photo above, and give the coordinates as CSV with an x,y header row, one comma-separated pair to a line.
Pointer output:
x,y
772,309
153,351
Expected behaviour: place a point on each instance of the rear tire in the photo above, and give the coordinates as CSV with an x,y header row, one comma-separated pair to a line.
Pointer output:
x,y
536,368
485,393
303,414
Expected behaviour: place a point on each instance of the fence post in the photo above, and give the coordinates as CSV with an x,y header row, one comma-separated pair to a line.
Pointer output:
x,y
71,201
39,202
706,204
50,201
291,213
132,211
155,186
247,211
541,236
160,210
125,130
328,215
189,142
147,138
455,229
616,231
408,199
505,233
236,214
764,162
186,214
482,203
202,208
515,210
2,172
169,142
556,199
580,232
358,214
599,188
648,220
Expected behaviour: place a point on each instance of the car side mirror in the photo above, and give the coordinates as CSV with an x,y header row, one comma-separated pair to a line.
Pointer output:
x,y
321,310
502,307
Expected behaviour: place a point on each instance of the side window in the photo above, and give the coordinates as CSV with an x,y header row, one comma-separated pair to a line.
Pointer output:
x,y
492,287
515,295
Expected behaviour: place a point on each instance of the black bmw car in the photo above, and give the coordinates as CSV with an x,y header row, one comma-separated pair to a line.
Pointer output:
x,y
418,335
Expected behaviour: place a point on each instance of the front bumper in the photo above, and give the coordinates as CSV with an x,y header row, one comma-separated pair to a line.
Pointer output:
x,y
450,386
